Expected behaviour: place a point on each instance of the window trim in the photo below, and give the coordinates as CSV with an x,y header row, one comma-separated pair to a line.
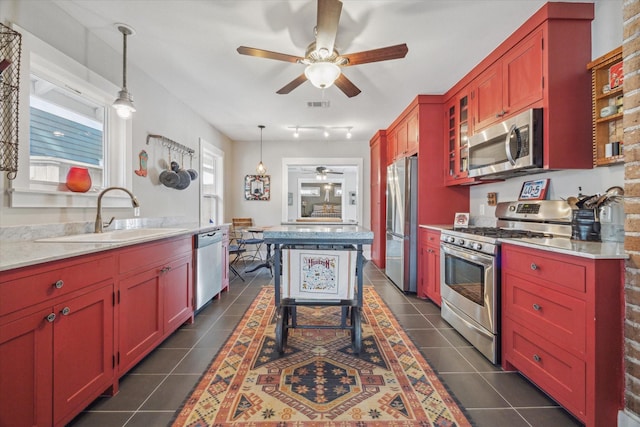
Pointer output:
x,y
45,60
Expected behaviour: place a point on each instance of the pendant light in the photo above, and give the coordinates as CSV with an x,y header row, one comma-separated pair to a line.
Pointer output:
x,y
124,103
261,169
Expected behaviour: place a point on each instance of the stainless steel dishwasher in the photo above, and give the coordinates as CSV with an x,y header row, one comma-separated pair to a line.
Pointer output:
x,y
208,266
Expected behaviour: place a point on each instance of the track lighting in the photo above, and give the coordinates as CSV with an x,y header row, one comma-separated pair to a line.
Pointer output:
x,y
124,103
326,130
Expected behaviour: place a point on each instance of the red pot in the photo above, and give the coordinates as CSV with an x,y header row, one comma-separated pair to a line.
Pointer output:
x,y
78,179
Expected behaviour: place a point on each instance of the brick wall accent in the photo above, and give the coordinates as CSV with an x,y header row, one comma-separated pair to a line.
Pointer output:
x,y
631,125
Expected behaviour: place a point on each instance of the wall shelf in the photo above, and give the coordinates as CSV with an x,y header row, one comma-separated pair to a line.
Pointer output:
x,y
606,130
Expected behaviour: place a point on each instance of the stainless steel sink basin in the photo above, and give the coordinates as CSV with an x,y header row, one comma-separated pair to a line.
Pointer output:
x,y
115,236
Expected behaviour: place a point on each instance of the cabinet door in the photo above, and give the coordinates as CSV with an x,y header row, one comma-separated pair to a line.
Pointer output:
x,y
433,274
26,349
391,147
423,267
140,317
488,97
177,295
83,351
413,133
522,74
401,140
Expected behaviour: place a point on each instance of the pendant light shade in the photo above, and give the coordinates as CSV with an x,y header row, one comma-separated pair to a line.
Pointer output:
x,y
124,103
261,169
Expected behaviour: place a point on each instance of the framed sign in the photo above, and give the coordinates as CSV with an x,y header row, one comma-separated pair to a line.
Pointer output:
x,y
461,220
257,187
534,190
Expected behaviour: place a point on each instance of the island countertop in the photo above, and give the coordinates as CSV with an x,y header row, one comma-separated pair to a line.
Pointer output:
x,y
318,234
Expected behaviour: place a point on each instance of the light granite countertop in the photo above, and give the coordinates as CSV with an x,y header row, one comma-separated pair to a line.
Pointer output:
x,y
318,234
19,246
561,245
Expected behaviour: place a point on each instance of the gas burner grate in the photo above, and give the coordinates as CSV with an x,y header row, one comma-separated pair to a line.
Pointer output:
x,y
502,232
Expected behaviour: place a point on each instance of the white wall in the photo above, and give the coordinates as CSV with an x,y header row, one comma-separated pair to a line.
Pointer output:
x,y
158,112
247,155
606,31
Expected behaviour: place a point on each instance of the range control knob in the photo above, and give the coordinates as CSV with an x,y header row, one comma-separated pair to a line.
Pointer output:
x,y
461,241
451,239
477,246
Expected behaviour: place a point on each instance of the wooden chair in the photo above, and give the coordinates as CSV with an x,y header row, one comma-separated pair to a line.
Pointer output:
x,y
249,239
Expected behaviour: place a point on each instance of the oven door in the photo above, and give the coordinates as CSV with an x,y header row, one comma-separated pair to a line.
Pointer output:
x,y
469,284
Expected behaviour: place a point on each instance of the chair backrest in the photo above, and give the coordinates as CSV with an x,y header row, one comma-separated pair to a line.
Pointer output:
x,y
241,222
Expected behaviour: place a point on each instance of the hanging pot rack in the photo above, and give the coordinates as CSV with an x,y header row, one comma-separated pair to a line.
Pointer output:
x,y
171,145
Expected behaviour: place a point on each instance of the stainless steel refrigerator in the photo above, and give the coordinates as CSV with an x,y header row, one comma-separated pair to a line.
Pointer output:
x,y
402,223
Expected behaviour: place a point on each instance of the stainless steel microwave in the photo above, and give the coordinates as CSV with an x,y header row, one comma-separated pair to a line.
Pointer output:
x,y
512,147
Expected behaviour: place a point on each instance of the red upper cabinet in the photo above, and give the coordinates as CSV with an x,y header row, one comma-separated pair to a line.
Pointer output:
x,y
457,127
378,146
413,133
535,67
523,78
511,84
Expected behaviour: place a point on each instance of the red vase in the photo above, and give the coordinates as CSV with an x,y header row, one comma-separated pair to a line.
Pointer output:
x,y
78,179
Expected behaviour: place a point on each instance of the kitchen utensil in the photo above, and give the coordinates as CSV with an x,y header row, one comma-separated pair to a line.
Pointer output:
x,y
571,200
168,177
184,177
192,172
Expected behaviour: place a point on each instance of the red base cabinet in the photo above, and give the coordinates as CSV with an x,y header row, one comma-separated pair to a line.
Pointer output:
x,y
562,320
64,325
429,265
56,340
156,296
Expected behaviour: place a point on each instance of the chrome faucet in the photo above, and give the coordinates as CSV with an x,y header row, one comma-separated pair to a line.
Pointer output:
x,y
99,224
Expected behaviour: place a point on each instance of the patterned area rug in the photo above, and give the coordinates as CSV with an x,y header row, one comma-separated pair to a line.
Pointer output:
x,y
318,381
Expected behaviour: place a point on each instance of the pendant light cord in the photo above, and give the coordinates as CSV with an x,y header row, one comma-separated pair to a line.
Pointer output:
x,y
124,60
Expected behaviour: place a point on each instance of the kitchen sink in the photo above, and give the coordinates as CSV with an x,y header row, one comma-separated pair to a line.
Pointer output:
x,y
115,236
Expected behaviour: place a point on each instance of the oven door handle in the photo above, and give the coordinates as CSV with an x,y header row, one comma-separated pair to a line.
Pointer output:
x,y
466,254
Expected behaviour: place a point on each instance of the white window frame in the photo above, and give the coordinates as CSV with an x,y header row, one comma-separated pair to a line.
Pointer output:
x,y
46,61
217,196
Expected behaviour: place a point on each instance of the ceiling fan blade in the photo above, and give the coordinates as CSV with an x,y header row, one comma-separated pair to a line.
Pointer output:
x,y
345,85
376,55
261,53
293,84
327,24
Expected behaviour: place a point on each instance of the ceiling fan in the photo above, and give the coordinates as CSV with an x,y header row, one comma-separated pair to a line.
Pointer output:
x,y
322,172
322,59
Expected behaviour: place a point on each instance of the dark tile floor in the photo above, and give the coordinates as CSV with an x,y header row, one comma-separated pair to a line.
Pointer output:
x,y
152,391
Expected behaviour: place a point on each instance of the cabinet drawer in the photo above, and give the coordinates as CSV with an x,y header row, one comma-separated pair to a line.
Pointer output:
x,y
150,254
433,239
562,271
560,374
557,316
39,284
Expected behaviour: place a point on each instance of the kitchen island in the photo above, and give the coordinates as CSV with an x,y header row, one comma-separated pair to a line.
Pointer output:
x,y
317,269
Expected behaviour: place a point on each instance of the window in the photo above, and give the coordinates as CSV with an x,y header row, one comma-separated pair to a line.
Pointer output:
x,y
211,203
66,129
67,121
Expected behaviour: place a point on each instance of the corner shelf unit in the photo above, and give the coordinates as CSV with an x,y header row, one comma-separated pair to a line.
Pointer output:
x,y
606,130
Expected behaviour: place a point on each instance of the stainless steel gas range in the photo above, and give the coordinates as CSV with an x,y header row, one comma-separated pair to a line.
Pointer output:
x,y
470,266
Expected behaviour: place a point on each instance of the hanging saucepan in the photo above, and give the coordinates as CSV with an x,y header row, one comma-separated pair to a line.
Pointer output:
x,y
168,177
183,175
192,172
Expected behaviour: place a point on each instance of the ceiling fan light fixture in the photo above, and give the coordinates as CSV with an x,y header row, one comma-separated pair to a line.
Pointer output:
x,y
124,102
349,133
296,134
322,74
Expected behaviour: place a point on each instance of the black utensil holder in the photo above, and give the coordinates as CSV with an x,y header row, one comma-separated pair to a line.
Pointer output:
x,y
585,225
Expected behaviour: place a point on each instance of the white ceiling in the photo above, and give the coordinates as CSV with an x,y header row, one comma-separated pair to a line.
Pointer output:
x,y
189,47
